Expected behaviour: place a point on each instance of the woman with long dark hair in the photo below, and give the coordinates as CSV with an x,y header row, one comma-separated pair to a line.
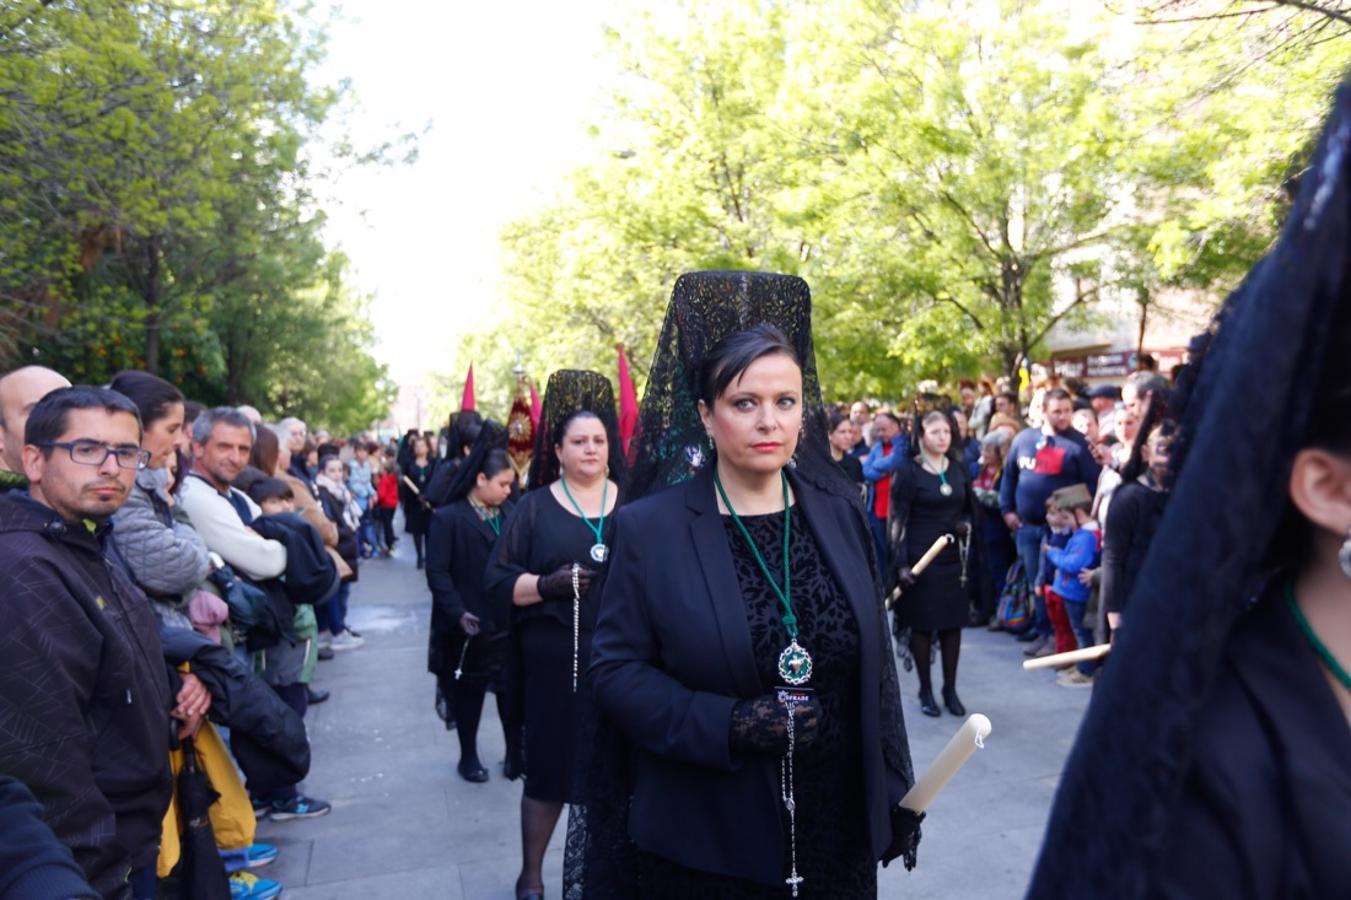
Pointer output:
x,y
930,498
166,557
468,652
742,650
555,544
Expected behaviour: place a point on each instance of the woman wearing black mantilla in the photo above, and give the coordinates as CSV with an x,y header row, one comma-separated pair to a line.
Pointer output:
x,y
744,654
556,542
1215,757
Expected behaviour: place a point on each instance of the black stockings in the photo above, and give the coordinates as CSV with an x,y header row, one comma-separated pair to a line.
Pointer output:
x,y
538,818
921,646
418,541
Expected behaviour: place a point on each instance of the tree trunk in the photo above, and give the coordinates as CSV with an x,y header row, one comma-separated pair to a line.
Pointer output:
x,y
152,304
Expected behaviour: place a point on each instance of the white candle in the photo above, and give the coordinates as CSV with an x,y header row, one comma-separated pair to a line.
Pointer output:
x,y
968,739
923,564
1073,656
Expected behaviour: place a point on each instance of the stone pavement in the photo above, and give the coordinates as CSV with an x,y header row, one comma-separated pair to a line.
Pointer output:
x,y
404,825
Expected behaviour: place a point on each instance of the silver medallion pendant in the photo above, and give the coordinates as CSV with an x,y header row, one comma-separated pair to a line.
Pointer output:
x,y
945,489
599,552
795,664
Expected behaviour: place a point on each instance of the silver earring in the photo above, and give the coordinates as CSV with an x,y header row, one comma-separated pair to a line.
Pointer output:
x,y
1344,557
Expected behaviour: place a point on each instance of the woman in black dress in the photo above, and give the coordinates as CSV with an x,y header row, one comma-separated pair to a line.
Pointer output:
x,y
931,497
742,647
468,651
417,510
553,546
843,436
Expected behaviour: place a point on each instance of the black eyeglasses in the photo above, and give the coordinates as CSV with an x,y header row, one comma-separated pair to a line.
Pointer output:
x,y
92,453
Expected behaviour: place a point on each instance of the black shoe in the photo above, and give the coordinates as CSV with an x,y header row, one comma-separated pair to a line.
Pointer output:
x,y
474,773
316,697
325,653
512,768
927,704
953,704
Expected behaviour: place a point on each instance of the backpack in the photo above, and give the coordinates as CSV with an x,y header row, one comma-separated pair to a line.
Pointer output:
x,y
1015,609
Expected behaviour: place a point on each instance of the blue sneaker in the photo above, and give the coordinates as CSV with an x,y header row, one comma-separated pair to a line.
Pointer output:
x,y
244,886
254,857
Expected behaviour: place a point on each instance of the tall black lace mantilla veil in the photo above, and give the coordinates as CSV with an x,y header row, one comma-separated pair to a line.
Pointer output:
x,y
571,390
493,436
1246,406
670,446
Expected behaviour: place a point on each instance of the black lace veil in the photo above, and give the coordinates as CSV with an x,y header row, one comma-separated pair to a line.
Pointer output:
x,y
571,390
670,443
1246,406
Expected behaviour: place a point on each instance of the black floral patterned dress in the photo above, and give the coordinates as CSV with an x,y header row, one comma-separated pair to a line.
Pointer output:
x,y
833,852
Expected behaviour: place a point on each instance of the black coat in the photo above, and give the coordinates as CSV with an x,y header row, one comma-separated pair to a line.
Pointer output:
x,y
347,547
84,694
266,736
311,576
672,655
1264,808
33,863
458,547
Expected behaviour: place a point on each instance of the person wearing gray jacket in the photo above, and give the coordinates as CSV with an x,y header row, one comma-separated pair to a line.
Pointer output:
x,y
164,556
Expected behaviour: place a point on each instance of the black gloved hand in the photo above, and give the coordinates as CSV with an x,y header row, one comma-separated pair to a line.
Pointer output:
x,y
904,578
904,836
557,585
761,725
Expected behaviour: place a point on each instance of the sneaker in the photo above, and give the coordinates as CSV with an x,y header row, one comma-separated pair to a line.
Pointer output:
x,y
260,809
346,641
1074,679
259,855
244,886
1036,646
299,807
325,639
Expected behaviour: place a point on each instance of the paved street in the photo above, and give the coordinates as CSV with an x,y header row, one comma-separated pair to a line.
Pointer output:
x,y
405,826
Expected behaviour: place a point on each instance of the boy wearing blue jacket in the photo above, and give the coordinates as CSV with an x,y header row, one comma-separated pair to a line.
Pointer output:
x,y
1083,551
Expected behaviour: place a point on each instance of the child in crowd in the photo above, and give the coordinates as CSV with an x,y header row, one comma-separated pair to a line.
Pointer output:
x,y
273,495
387,500
1083,551
1060,526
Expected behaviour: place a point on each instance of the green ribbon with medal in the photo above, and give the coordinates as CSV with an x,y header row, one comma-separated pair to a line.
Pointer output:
x,y
598,550
795,663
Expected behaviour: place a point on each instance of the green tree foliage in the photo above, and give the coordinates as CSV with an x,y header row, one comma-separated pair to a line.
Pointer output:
x,y
157,207
953,177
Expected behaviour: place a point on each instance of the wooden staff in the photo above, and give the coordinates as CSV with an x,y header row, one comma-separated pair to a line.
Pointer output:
x,y
918,568
968,739
1062,659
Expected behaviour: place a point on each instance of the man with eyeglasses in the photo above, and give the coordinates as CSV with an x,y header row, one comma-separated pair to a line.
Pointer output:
x,y
20,391
85,696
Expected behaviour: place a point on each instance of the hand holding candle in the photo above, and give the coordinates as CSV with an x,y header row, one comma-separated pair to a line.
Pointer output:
x,y
918,568
968,739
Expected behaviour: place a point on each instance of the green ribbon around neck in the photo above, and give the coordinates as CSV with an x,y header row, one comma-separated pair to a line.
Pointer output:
x,y
599,528
1335,667
784,593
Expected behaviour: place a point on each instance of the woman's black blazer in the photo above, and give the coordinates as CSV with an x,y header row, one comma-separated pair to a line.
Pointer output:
x,y
672,655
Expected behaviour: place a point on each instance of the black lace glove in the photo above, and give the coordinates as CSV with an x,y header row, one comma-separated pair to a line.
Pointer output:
x,y
761,725
904,578
557,585
904,836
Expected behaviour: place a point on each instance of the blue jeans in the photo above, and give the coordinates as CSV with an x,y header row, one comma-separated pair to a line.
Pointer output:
x,y
879,529
1076,610
332,616
1029,539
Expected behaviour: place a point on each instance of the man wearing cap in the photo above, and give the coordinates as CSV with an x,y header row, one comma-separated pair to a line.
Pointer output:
x,y
1104,398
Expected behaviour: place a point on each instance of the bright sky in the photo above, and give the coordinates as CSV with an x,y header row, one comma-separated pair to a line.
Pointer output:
x,y
508,89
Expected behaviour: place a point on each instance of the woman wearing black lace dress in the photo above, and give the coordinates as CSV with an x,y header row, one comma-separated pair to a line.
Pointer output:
x,y
931,497
554,544
744,653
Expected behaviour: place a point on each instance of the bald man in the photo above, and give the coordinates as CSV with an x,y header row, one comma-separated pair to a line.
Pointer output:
x,y
20,391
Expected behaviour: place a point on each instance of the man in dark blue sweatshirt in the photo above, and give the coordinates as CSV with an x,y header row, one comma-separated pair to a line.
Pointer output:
x,y
1041,462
